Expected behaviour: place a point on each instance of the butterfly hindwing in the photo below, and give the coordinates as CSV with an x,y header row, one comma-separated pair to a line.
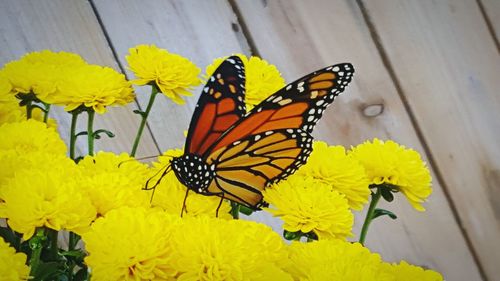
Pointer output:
x,y
245,167
221,104
299,105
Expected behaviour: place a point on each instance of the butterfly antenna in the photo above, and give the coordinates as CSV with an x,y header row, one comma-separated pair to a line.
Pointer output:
x,y
184,202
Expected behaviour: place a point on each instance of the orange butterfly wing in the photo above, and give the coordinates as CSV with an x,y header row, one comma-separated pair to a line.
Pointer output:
x,y
246,167
219,107
298,105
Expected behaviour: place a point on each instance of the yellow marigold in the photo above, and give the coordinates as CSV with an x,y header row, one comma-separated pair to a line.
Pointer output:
x,y
92,86
262,78
331,165
30,136
40,72
390,163
131,244
308,205
170,193
407,272
173,74
334,260
54,200
211,249
113,181
11,112
12,265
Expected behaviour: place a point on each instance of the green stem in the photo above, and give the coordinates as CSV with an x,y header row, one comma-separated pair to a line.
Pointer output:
x,y
144,115
369,215
72,140
235,210
52,235
73,240
46,114
36,245
90,131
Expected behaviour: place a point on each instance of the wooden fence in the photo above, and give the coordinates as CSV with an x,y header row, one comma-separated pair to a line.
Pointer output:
x,y
428,76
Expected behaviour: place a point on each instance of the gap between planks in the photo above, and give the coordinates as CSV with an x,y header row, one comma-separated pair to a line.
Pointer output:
x,y
432,163
121,67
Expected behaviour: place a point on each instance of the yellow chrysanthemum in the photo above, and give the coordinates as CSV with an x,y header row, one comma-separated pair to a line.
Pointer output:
x,y
12,264
30,136
407,272
262,78
131,244
46,196
173,74
211,249
330,165
170,193
308,205
113,181
334,260
40,72
92,86
390,163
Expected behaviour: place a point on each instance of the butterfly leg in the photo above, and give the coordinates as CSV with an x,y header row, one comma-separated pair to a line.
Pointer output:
x,y
184,202
220,204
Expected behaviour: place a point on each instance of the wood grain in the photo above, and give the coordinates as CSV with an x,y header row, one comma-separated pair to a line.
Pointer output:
x,y
492,11
301,36
448,66
198,30
71,26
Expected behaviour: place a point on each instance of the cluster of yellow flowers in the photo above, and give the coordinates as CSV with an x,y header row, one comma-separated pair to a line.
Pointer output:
x,y
131,235
151,244
320,196
65,79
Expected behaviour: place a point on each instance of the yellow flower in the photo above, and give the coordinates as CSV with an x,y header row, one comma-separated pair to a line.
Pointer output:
x,y
92,86
46,196
30,136
131,244
390,163
330,165
407,272
173,74
170,193
262,78
113,181
308,205
334,260
40,72
211,249
12,264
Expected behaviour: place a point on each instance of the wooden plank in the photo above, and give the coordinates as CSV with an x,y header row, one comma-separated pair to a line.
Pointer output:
x,y
299,37
448,65
198,30
68,26
492,10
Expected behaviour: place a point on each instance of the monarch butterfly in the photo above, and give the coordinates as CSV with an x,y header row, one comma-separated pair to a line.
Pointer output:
x,y
233,154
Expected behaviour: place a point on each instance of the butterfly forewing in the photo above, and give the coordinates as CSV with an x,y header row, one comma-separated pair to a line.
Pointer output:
x,y
298,105
220,105
247,166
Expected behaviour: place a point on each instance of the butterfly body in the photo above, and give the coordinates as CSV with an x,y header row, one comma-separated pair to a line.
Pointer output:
x,y
192,171
235,154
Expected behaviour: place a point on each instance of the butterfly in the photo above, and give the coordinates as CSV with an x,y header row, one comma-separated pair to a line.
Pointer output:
x,y
234,154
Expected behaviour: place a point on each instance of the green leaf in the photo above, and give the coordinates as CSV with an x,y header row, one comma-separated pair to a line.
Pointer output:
x,y
47,271
387,194
382,212
100,131
292,235
81,275
10,237
245,210
142,113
